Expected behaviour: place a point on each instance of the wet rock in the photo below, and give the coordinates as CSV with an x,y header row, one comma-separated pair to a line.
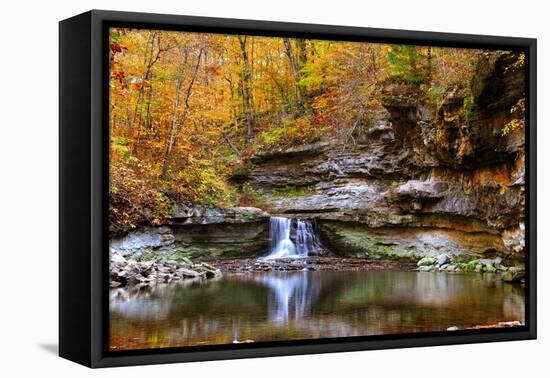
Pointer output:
x,y
442,259
513,275
187,273
145,267
116,258
425,268
427,261
137,273
312,263
489,268
212,274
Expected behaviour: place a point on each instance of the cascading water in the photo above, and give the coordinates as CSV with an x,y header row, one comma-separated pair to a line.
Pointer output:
x,y
307,240
281,245
279,236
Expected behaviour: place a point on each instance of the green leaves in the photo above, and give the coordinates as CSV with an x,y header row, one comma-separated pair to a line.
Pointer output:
x,y
408,63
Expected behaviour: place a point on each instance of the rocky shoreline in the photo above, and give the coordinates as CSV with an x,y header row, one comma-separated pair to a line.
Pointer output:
x,y
312,263
129,272
441,263
444,263
126,272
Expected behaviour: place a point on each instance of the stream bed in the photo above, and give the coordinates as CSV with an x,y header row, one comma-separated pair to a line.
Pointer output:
x,y
272,306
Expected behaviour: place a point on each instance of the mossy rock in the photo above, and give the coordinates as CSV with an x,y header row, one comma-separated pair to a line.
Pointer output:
x,y
425,268
471,265
513,275
450,268
489,268
426,261
357,240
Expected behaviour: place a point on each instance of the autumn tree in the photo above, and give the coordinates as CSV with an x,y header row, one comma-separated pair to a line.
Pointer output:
x,y
295,69
179,116
187,108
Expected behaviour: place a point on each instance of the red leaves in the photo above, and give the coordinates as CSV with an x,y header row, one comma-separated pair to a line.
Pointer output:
x,y
116,47
118,76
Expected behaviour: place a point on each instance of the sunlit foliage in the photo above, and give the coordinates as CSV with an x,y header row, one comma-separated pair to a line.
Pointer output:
x,y
187,108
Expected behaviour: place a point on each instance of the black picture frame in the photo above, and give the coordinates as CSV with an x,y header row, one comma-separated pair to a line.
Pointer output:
x,y
83,181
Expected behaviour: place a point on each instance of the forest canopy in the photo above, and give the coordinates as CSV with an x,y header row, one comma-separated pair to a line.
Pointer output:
x,y
186,109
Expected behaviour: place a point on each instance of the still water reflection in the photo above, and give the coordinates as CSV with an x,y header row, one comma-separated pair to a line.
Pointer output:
x,y
305,305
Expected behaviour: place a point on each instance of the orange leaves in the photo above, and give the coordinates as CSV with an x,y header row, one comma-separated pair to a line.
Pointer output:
x,y
118,76
135,196
205,102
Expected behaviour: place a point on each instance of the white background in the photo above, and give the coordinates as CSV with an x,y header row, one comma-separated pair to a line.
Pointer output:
x,y
29,188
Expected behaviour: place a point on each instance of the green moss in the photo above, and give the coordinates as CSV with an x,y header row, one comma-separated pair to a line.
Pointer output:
x,y
293,191
427,261
353,240
249,196
450,268
470,107
436,95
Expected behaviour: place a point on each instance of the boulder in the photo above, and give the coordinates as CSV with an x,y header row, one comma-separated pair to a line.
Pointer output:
x,y
442,259
422,189
427,261
161,270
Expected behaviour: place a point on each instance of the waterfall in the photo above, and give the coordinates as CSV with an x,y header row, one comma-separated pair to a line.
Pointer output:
x,y
307,240
279,236
281,245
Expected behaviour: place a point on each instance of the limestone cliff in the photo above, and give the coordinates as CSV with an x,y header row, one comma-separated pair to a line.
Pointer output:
x,y
419,179
198,232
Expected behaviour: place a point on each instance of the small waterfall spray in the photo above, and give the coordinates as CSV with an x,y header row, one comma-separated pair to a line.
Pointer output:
x,y
279,235
281,245
307,240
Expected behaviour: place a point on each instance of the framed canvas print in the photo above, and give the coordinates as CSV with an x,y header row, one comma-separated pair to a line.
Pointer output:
x,y
234,188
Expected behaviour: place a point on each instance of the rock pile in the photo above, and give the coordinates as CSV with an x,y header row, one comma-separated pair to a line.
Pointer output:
x,y
444,263
124,272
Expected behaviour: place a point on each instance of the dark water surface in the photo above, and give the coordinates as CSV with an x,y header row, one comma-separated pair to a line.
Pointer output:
x,y
305,305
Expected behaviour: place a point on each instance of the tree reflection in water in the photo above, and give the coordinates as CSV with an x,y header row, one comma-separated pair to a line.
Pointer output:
x,y
304,305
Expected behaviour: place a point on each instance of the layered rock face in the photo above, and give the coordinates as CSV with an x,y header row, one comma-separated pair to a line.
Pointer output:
x,y
199,233
418,180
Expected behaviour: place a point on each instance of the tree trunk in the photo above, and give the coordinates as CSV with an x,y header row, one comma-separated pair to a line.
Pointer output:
x,y
247,90
429,65
150,59
178,120
302,53
295,72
